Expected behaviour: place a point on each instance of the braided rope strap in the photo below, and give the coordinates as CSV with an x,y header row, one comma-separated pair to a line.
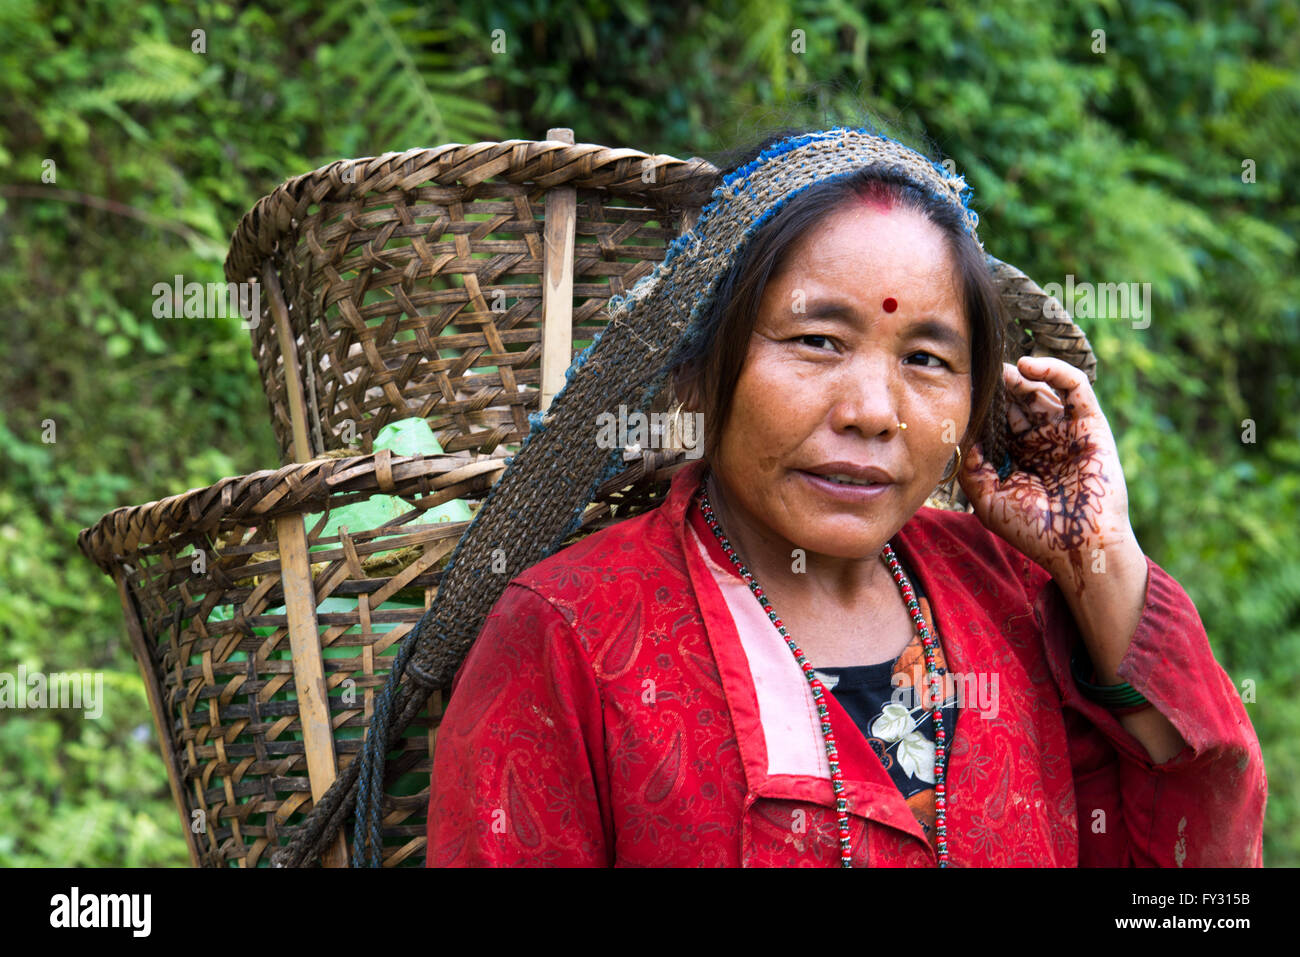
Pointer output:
x,y
540,499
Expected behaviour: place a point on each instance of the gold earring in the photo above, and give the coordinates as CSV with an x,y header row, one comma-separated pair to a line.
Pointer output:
x,y
948,478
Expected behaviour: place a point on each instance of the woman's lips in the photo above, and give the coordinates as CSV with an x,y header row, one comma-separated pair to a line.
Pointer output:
x,y
843,492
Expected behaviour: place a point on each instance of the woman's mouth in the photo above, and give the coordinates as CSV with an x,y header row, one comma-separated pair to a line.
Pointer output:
x,y
846,489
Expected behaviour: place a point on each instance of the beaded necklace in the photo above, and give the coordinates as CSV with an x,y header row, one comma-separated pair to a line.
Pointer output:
x,y
819,692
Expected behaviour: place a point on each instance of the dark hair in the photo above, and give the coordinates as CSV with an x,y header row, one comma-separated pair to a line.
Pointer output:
x,y
714,365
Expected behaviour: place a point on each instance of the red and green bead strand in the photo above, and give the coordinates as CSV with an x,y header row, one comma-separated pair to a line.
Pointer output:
x,y
936,702
819,691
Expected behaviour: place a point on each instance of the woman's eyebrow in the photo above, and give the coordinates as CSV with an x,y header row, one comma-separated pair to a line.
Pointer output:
x,y
938,331
920,329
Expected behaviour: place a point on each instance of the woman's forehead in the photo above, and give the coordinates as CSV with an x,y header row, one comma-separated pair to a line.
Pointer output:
x,y
863,237
867,240
851,282
824,290
863,252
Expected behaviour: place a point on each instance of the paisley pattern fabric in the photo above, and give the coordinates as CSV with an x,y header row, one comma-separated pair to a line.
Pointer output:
x,y
613,713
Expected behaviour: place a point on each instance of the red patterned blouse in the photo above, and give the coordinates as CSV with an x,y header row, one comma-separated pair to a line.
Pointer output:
x,y
628,703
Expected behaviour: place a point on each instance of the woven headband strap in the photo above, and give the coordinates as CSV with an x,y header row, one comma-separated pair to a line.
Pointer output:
x,y
793,164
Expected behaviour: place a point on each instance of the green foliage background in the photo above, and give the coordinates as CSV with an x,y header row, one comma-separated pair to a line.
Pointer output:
x,y
1116,167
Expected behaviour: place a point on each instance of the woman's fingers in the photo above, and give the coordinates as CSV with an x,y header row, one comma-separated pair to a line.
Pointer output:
x,y
1033,402
1017,419
1070,384
1019,384
979,481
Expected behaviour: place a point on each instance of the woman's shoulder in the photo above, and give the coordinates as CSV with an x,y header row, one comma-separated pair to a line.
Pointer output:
x,y
641,546
609,585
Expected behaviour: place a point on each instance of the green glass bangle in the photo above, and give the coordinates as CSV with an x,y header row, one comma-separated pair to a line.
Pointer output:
x,y
1122,696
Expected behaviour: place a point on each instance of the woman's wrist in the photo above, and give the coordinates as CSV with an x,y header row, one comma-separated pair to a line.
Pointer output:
x,y
1107,596
1119,699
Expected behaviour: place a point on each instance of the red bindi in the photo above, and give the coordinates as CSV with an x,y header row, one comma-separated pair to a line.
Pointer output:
x,y
890,304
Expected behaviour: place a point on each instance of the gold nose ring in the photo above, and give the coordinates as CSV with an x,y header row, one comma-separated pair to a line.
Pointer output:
x,y
902,425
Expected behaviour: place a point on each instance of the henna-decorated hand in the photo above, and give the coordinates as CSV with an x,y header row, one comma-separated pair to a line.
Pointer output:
x,y
1066,506
1067,497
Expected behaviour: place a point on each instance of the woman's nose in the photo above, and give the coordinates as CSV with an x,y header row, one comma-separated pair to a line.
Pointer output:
x,y
865,399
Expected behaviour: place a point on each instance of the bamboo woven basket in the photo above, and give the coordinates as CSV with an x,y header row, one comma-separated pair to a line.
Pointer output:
x,y
257,713
454,284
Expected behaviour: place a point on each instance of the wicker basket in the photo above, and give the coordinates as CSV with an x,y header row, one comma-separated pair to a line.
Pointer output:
x,y
419,283
413,284
257,711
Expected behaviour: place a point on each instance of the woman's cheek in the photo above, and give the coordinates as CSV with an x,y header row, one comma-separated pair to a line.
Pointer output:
x,y
945,409
781,401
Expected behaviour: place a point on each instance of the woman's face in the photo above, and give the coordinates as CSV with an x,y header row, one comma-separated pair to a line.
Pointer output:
x,y
830,373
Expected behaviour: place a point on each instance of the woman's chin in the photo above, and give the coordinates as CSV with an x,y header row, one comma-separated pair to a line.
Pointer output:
x,y
845,538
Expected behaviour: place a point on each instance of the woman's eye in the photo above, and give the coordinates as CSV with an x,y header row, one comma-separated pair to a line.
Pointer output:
x,y
929,355
803,340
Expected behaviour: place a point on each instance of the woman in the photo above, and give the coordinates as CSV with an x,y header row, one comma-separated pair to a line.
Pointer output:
x,y
748,674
